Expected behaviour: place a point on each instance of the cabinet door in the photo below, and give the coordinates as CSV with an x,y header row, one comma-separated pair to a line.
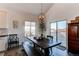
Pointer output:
x,y
72,31
3,19
3,43
77,33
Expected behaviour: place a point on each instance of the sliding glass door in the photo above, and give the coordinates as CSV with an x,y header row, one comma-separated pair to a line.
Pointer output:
x,y
58,31
53,31
62,32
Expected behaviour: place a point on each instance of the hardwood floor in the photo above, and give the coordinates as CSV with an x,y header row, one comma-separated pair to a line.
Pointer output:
x,y
14,52
2,53
17,51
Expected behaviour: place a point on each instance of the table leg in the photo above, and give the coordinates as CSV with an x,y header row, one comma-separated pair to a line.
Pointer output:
x,y
47,52
34,45
50,49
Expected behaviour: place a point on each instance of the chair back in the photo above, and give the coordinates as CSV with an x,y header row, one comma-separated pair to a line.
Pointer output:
x,y
13,37
50,37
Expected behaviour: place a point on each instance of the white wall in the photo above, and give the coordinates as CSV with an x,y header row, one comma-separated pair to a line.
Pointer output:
x,y
63,11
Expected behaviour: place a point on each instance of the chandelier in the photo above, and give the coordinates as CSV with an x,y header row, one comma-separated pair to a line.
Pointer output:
x,y
41,16
41,19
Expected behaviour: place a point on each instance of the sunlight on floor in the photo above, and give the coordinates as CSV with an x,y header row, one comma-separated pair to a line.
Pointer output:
x,y
58,52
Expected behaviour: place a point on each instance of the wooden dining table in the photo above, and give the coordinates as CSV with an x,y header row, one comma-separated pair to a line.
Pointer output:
x,y
44,44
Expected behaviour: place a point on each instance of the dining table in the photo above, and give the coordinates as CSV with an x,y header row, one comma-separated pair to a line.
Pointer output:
x,y
45,44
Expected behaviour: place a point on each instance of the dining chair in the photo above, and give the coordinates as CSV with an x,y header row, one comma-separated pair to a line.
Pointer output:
x,y
50,38
13,40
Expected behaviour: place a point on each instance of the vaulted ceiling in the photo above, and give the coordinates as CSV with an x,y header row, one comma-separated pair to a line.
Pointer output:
x,y
30,8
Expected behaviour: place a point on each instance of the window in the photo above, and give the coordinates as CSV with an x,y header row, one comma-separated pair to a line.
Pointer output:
x,y
29,28
58,31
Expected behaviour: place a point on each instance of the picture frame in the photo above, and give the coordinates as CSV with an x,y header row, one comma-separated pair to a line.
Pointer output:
x,y
15,24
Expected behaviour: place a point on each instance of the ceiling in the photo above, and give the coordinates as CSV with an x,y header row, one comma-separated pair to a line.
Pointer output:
x,y
30,8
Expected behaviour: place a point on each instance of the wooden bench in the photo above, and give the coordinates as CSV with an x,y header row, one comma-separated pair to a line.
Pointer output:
x,y
31,51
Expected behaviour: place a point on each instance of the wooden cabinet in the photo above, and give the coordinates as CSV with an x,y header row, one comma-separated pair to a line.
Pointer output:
x,y
73,37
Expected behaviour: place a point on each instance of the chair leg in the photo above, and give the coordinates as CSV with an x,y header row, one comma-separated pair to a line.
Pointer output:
x,y
51,51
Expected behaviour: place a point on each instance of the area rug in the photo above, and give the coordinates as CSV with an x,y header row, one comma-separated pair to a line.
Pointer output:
x,y
61,47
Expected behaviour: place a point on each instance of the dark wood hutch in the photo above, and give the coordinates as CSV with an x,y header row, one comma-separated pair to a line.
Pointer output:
x,y
73,36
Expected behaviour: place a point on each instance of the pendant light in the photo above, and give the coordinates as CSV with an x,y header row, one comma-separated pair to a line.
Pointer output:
x,y
41,16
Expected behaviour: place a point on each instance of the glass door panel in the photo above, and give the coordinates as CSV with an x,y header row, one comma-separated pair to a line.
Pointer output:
x,y
62,32
53,31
